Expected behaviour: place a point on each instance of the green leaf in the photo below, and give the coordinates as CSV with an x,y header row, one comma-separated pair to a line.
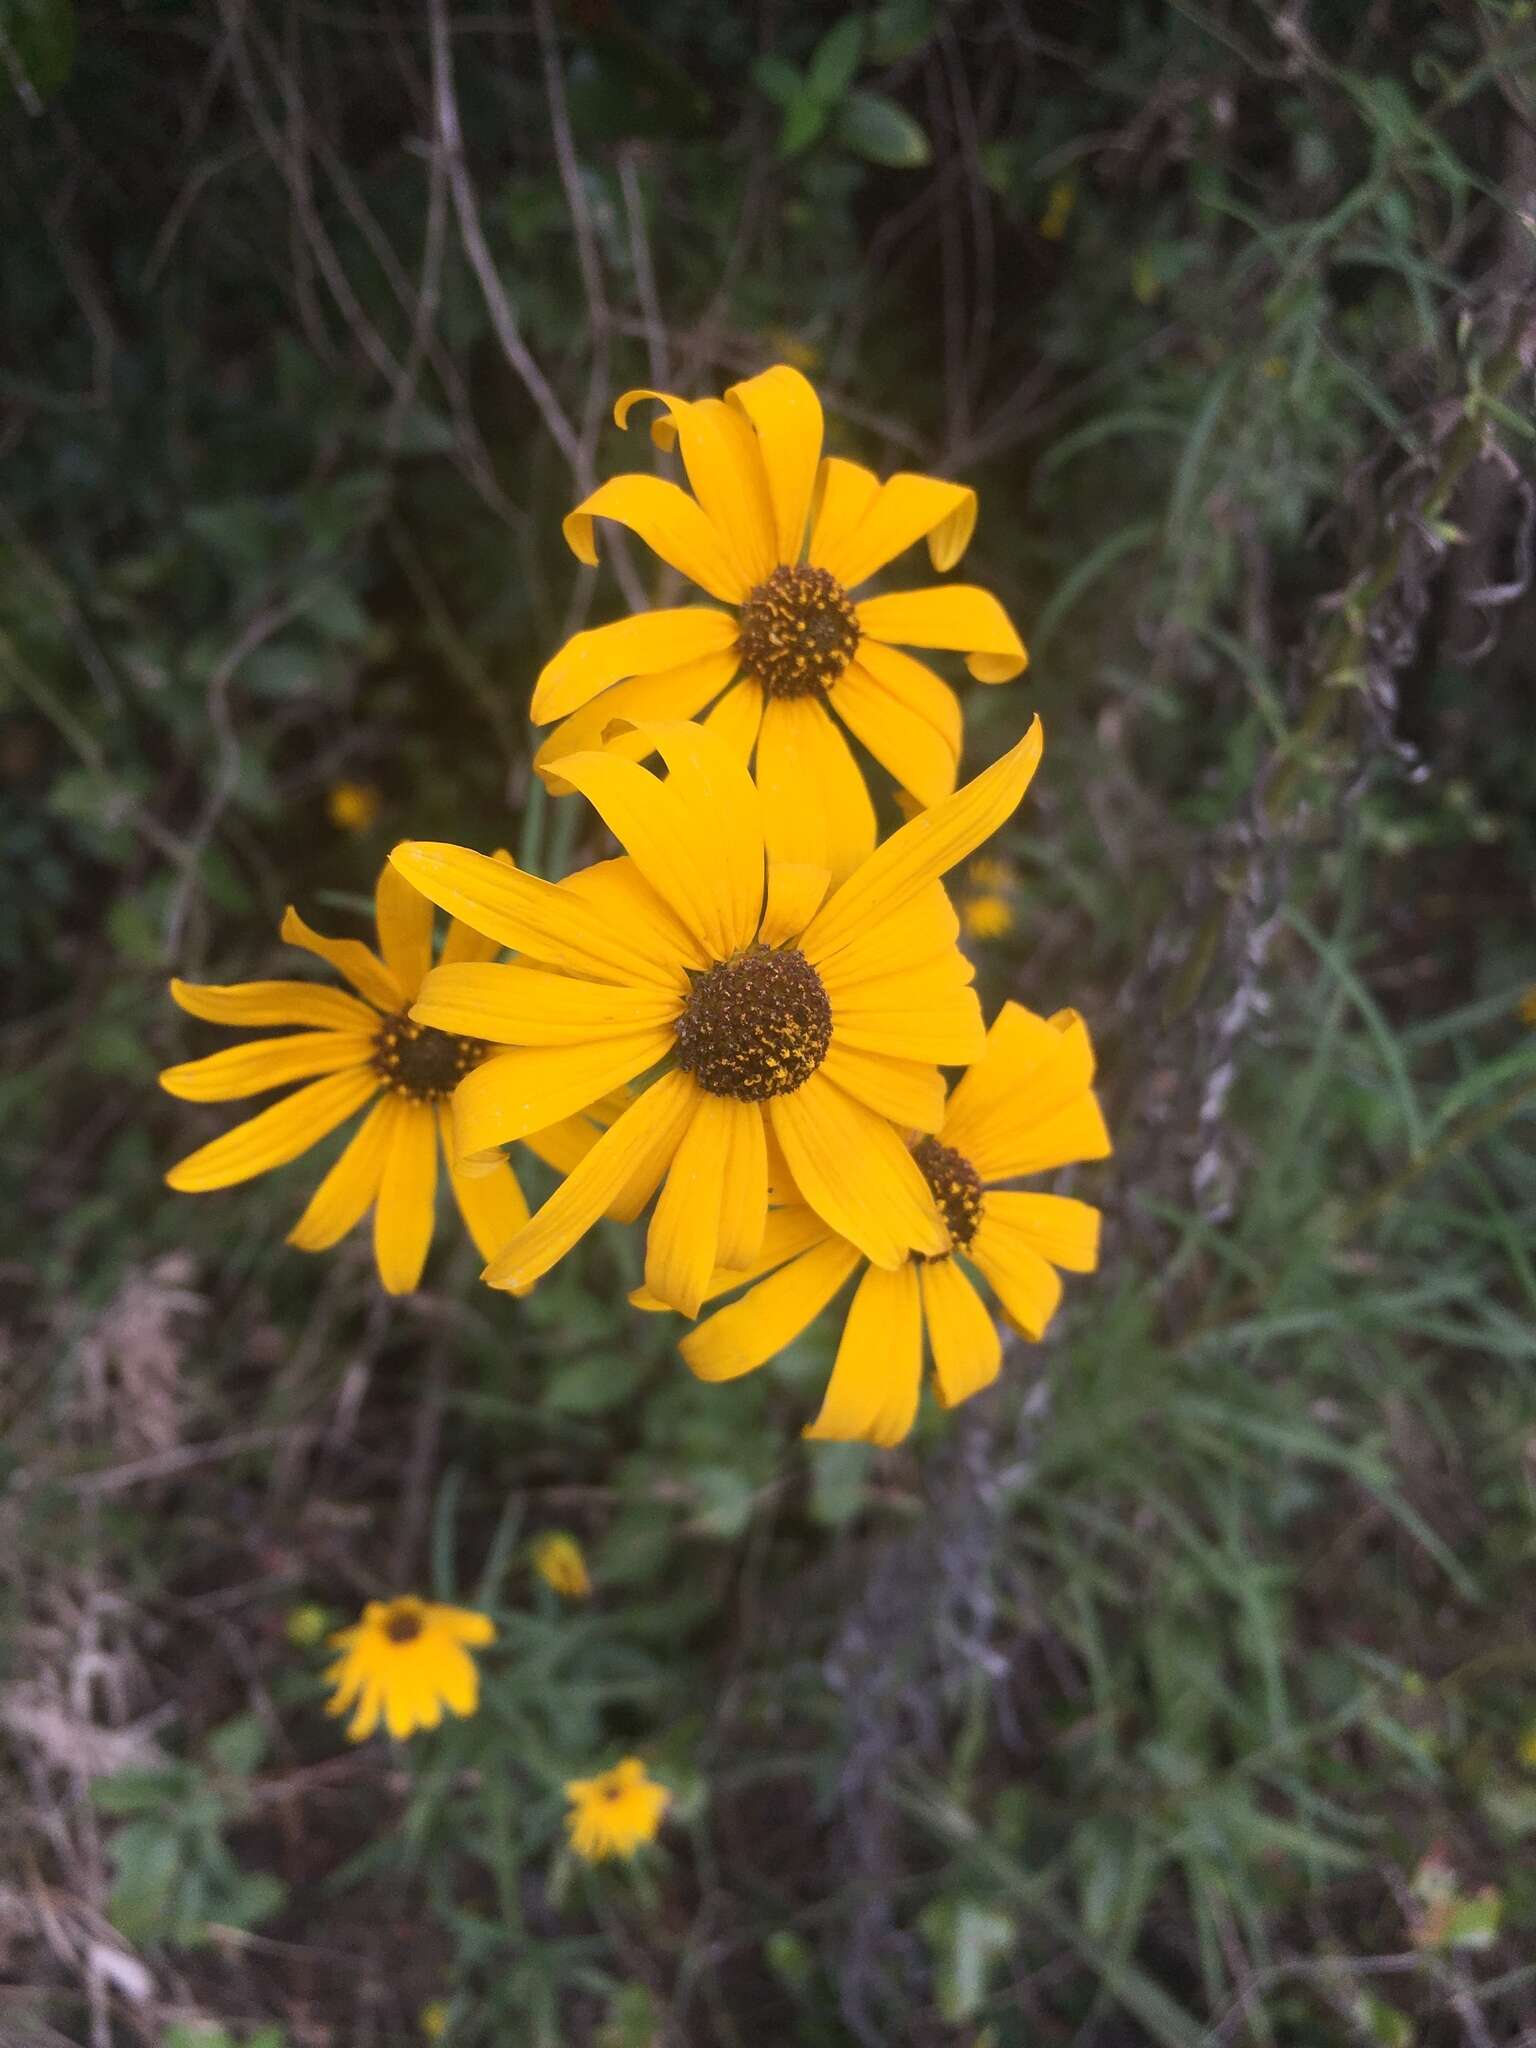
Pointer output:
x,y
594,1384
805,121
900,27
41,38
238,1746
146,1860
135,1792
837,57
777,79
967,1937
876,129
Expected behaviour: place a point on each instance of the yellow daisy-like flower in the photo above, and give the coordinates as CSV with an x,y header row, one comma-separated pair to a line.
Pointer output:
x,y
351,806
559,1562
776,1009
615,1812
366,1050
986,917
1027,1106
782,535
405,1661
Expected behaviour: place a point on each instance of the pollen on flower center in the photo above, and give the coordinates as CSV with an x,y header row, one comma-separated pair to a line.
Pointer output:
x,y
755,1026
403,1625
954,1184
418,1061
798,632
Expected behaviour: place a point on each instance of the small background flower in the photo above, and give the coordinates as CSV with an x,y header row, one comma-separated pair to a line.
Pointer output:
x,y
352,806
617,1812
559,1561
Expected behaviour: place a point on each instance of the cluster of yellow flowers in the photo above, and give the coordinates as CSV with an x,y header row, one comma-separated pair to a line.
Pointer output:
x,y
748,1009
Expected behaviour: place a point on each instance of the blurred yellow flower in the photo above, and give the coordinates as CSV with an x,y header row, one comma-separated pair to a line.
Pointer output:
x,y
990,873
780,535
1058,209
1528,1005
406,1660
352,806
1025,1107
986,917
433,2020
615,1812
774,1007
366,1051
1527,1749
1275,368
305,1626
558,1560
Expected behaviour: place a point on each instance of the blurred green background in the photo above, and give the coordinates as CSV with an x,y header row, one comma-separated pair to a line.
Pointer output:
x,y
1179,1689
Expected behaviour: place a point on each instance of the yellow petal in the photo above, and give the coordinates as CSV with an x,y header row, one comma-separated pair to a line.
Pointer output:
x,y
1023,1282
491,1204
529,1006
855,1172
344,1196
795,892
350,957
908,1092
461,941
464,1624
787,415
1059,1227
1026,1106
923,849
458,1683
637,646
904,743
747,1334
725,469
696,838
267,1063
685,1229
673,693
255,1003
277,1135
816,809
671,524
642,1141
926,1015
922,934
737,718
844,493
407,1203
513,1094
904,509
404,918
967,1351
549,921
744,1194
913,684
877,1377
789,1232
958,615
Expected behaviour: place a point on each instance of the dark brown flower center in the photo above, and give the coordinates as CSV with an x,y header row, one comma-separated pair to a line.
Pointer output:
x,y
954,1184
403,1625
798,632
425,1064
755,1026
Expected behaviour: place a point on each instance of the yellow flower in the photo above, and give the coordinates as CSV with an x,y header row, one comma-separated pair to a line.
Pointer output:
x,y
782,535
613,1813
786,1014
433,2020
992,875
1058,209
1528,1005
366,1051
1025,1107
352,806
558,1560
406,1660
986,917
